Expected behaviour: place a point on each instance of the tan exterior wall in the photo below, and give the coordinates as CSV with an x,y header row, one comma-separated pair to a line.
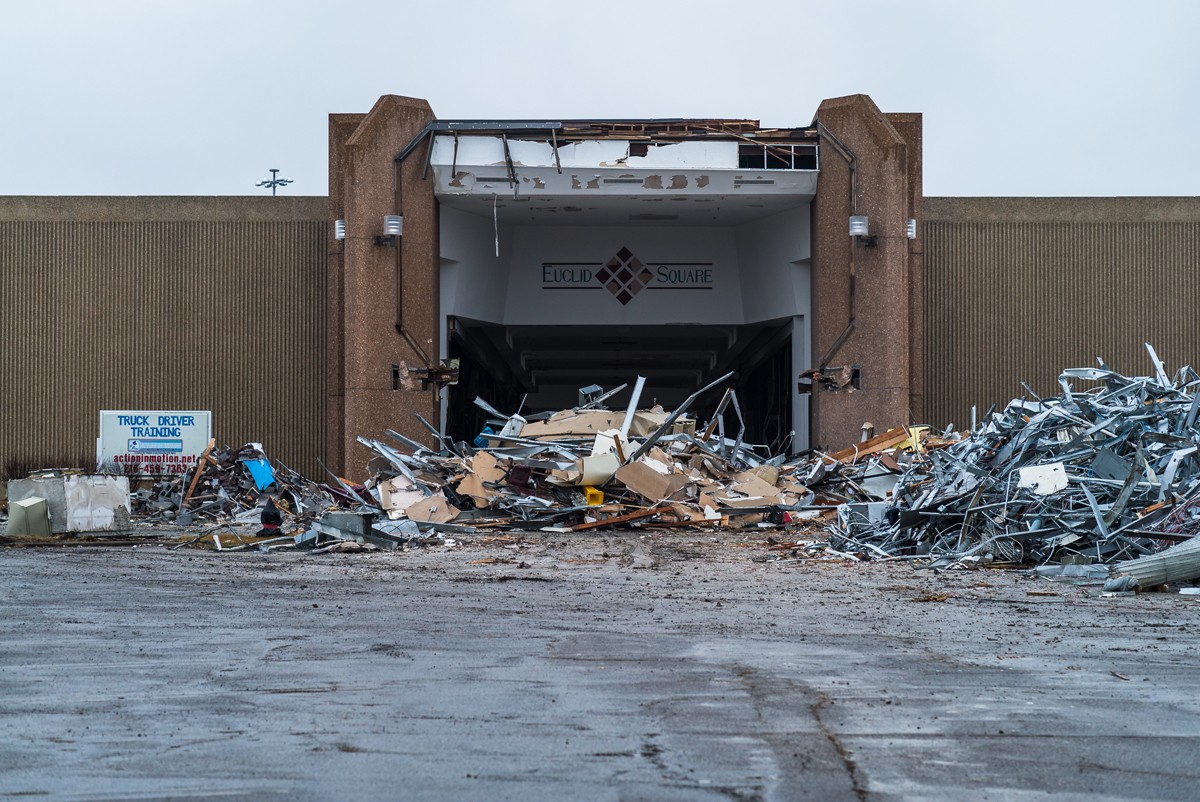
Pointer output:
x,y
1019,288
168,303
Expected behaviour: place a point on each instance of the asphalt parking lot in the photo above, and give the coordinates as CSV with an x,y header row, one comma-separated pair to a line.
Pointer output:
x,y
610,667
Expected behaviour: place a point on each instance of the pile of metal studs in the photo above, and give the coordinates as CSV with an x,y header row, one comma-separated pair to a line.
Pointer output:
x,y
1103,474
227,482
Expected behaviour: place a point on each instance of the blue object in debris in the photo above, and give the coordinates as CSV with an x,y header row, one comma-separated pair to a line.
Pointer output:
x,y
481,441
260,469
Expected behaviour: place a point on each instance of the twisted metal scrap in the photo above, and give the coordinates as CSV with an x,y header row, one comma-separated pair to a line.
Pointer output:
x,y
1128,449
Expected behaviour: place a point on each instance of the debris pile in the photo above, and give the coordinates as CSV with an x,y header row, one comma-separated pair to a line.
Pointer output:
x,y
1103,474
230,483
588,467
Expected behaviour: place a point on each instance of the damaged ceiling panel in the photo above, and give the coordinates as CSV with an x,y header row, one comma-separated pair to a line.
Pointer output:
x,y
729,171
482,150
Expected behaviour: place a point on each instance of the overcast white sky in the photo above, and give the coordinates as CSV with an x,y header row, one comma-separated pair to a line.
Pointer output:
x,y
201,97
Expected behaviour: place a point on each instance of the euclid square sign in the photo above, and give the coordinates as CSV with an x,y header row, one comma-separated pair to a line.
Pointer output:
x,y
137,442
624,275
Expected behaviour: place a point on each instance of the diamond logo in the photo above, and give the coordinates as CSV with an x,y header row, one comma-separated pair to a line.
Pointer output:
x,y
624,276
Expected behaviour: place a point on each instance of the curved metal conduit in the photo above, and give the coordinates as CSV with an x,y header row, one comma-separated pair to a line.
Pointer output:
x,y
398,263
852,161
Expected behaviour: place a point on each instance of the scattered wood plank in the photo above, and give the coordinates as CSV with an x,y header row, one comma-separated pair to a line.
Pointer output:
x,y
618,519
880,442
199,470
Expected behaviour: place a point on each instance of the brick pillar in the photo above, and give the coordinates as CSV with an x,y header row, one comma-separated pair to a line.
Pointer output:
x,y
367,183
886,303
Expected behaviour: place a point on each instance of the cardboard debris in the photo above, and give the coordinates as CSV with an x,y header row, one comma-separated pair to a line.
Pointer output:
x,y
750,484
596,470
485,471
569,423
397,495
1108,473
650,483
434,509
562,464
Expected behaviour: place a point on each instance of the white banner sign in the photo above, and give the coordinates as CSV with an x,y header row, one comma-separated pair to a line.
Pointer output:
x,y
137,442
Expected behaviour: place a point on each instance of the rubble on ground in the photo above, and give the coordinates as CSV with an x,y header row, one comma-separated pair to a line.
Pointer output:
x,y
589,467
232,483
583,468
1106,474
1095,483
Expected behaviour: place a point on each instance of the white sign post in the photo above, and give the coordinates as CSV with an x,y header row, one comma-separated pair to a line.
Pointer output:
x,y
138,442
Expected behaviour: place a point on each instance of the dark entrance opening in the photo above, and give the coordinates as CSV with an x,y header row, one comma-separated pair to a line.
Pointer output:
x,y
541,368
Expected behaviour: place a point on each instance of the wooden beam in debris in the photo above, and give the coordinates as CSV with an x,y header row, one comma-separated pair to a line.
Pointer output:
x,y
619,519
199,470
880,442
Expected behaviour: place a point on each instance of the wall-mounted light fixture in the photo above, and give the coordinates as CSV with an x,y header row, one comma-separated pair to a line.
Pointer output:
x,y
910,229
339,229
393,228
860,229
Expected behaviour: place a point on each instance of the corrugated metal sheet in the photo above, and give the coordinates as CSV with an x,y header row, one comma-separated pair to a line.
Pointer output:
x,y
1056,284
223,314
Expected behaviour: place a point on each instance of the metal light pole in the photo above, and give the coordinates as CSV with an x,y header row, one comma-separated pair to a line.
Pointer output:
x,y
274,181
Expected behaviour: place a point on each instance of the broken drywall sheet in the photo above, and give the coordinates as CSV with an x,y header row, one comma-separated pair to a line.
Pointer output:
x,y
397,495
1043,479
434,509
